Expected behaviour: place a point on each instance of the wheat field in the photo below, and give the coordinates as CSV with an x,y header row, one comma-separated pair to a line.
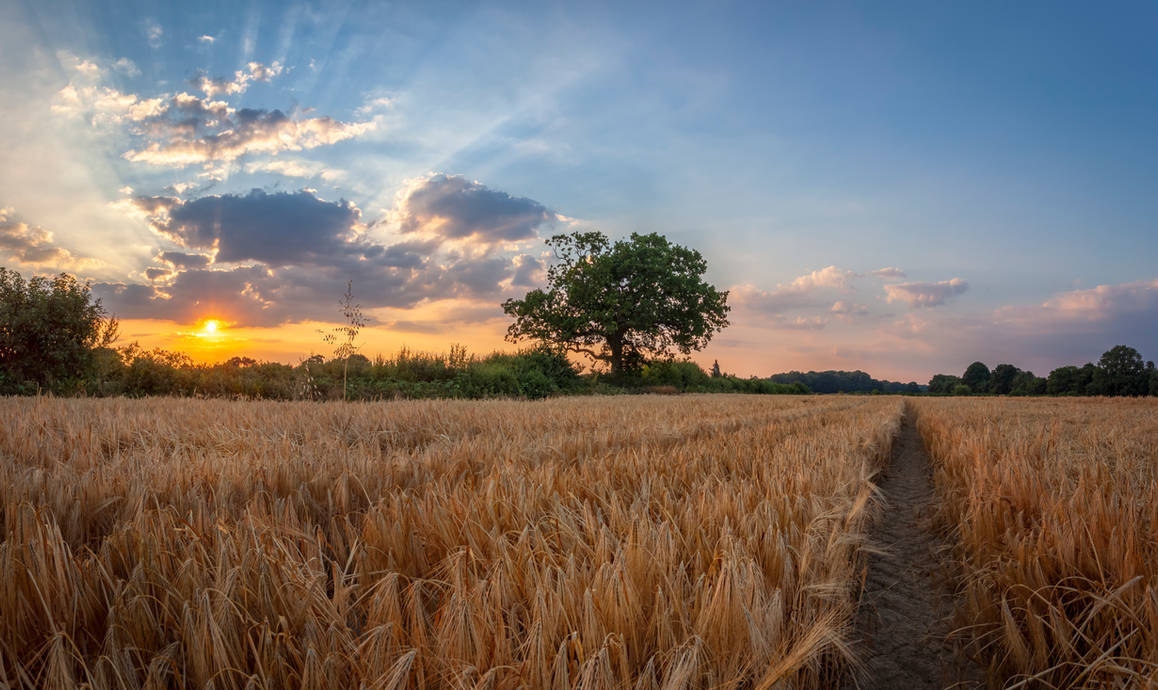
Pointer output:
x,y
1052,505
623,542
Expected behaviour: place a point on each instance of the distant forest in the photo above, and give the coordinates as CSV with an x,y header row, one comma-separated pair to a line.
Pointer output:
x,y
845,382
1120,371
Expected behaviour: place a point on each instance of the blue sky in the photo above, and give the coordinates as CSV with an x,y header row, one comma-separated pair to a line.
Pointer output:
x,y
1003,159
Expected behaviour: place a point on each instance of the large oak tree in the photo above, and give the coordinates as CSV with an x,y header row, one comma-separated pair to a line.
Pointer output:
x,y
621,302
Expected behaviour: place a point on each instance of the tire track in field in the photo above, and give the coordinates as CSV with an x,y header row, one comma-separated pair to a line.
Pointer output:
x,y
904,618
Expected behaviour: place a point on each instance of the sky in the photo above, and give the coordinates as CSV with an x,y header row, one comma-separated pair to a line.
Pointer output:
x,y
902,188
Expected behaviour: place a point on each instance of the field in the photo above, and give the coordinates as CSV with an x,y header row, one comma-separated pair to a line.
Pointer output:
x,y
1054,508
693,541
608,542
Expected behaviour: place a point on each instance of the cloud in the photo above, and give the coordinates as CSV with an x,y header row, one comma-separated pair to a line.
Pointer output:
x,y
276,229
183,260
290,167
153,33
802,323
528,271
1090,309
843,308
829,276
255,71
269,258
127,67
188,130
183,129
206,38
34,246
889,272
926,294
375,105
453,208
799,293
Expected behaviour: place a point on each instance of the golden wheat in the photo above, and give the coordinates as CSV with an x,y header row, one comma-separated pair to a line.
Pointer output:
x,y
632,542
1054,507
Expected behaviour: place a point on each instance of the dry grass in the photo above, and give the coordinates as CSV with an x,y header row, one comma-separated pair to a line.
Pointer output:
x,y
1054,504
632,542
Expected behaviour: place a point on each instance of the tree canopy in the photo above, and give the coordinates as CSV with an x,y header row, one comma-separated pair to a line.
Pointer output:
x,y
621,303
1120,371
49,331
977,377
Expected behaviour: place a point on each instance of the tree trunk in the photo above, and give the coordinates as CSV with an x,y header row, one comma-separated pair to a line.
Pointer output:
x,y
616,346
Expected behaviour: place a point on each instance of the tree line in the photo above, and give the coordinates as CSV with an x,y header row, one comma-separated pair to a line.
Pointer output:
x,y
846,382
1120,371
55,337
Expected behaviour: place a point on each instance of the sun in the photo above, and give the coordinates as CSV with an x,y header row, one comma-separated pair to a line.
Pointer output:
x,y
210,327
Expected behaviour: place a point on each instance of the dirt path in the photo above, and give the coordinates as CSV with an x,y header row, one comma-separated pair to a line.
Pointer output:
x,y
905,610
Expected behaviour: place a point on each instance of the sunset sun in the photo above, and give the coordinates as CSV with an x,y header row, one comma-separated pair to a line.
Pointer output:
x,y
210,327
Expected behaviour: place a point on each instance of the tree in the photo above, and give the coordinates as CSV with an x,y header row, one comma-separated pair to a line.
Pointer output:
x,y
620,303
1064,381
49,328
1001,380
1025,383
977,377
343,337
1123,372
943,384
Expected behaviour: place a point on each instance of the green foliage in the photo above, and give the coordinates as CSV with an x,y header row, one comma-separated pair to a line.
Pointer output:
x,y
977,377
943,384
1123,372
682,375
49,330
844,382
621,303
1025,383
1120,371
344,337
1001,380
962,389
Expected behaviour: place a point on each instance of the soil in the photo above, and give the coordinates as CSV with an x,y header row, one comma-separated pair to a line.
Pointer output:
x,y
904,621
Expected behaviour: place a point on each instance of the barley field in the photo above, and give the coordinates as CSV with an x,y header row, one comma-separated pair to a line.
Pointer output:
x,y
1052,505
622,542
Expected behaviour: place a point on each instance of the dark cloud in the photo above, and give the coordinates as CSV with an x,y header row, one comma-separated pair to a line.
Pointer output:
x,y
528,271
183,260
452,207
298,253
276,229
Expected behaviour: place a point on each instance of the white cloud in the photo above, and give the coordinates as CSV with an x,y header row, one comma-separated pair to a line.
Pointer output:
x,y
34,246
291,167
844,308
926,294
153,33
888,272
206,38
254,72
127,67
